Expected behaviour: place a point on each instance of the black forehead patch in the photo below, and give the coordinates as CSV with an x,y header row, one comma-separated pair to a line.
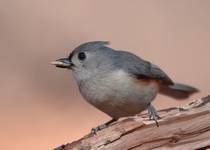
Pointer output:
x,y
71,55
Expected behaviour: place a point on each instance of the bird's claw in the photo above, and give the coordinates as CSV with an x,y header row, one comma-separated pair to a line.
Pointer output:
x,y
153,115
100,127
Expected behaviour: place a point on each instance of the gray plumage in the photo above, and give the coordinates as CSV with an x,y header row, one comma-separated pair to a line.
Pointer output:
x,y
178,90
117,82
108,58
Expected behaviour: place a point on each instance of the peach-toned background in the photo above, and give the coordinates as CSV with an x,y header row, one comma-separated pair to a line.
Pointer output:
x,y
40,106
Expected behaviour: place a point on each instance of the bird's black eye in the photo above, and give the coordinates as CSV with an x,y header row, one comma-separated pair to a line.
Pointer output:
x,y
81,56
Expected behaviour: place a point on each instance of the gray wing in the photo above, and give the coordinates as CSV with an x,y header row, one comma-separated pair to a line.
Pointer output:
x,y
142,69
157,73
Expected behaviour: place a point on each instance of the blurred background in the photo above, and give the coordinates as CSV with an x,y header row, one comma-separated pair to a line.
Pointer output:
x,y
40,105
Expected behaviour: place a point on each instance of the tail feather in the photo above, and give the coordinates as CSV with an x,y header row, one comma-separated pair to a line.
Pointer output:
x,y
178,90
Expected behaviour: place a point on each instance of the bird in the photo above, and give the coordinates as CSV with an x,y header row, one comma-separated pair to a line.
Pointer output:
x,y
119,83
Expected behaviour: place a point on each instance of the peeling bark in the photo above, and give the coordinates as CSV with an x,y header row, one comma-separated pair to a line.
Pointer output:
x,y
181,128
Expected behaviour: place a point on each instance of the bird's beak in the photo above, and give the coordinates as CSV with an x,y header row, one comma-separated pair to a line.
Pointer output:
x,y
63,63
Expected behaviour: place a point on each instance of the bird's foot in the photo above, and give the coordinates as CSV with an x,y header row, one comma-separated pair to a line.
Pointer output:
x,y
153,115
102,126
98,128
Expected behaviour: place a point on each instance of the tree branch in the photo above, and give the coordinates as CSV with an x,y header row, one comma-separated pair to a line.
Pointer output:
x,y
186,127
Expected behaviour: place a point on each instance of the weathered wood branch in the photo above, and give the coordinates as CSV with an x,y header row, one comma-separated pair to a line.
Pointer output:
x,y
181,128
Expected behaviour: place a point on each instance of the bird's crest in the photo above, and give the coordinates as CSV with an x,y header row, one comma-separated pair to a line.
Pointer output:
x,y
92,45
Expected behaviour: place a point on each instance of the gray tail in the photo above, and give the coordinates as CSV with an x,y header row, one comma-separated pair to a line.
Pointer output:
x,y
178,91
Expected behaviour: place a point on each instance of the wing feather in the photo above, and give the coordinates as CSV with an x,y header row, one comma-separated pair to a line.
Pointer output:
x,y
142,69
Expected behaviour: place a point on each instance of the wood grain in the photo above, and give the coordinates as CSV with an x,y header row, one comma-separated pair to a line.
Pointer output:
x,y
181,128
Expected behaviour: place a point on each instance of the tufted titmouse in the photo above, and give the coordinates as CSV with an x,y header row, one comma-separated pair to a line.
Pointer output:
x,y
119,83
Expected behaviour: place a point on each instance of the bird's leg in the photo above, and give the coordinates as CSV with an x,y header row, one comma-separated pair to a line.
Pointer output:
x,y
153,115
102,126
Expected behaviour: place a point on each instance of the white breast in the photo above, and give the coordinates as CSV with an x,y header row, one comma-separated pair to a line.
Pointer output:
x,y
119,94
